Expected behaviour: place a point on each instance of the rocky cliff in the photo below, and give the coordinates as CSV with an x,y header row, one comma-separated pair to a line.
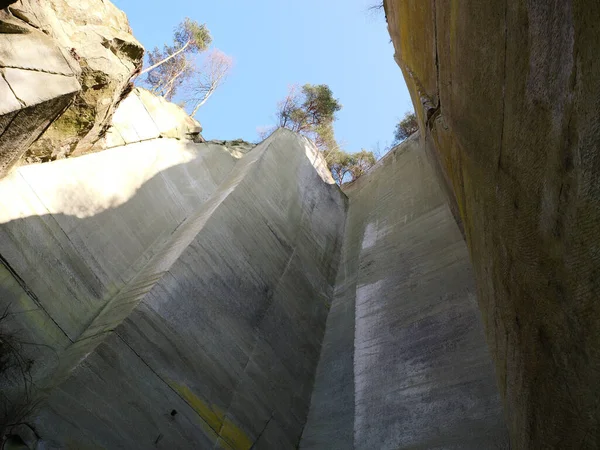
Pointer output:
x,y
65,67
507,95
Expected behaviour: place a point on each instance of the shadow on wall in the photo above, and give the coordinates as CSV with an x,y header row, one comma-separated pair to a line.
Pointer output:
x,y
59,271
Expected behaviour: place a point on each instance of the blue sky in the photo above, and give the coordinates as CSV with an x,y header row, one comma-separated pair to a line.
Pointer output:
x,y
276,43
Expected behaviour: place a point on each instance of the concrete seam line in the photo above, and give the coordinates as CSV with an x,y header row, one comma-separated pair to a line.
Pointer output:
x,y
23,104
61,228
29,292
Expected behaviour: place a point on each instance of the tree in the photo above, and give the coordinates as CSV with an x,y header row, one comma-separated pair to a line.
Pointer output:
x,y
340,165
172,66
310,110
407,126
350,166
361,162
212,74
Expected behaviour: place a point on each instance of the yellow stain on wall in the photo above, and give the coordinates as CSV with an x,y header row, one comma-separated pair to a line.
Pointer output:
x,y
212,416
231,435
223,445
235,437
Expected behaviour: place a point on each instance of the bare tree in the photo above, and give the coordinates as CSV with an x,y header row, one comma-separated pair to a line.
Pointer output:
x,y
212,74
171,67
171,77
189,37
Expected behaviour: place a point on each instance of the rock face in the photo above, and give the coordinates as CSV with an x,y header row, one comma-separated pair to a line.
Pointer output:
x,y
142,116
404,362
507,94
38,80
98,36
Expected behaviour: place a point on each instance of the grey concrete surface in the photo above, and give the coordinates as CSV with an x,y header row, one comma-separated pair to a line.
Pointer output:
x,y
74,233
404,363
129,210
186,300
227,314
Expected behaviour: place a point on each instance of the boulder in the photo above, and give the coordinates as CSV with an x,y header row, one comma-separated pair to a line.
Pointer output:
x,y
38,80
142,116
507,94
98,36
237,147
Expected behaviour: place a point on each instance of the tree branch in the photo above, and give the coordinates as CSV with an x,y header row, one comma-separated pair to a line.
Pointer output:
x,y
154,66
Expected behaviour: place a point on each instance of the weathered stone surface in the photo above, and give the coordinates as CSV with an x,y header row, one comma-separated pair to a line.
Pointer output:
x,y
98,36
37,82
404,362
509,112
171,120
238,147
142,116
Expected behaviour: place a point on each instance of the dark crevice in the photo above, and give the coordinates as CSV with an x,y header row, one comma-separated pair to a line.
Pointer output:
x,y
10,123
262,431
31,69
499,165
23,104
437,59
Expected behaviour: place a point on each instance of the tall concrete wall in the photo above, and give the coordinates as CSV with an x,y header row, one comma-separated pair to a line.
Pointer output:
x,y
404,362
74,232
213,338
186,300
508,93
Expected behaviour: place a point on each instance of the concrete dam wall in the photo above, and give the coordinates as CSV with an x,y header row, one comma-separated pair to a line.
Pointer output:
x,y
404,362
190,299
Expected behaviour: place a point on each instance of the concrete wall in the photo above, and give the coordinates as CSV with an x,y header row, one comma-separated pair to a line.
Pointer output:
x,y
221,324
74,233
404,361
185,300
508,93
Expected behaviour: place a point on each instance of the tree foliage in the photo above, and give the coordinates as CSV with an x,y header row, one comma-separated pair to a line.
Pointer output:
x,y
311,111
174,68
346,167
407,126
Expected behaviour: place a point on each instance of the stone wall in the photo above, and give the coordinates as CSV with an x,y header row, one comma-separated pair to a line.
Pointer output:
x,y
97,36
404,362
38,80
142,116
507,95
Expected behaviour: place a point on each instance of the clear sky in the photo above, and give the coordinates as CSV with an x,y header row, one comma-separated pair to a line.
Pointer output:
x,y
276,43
